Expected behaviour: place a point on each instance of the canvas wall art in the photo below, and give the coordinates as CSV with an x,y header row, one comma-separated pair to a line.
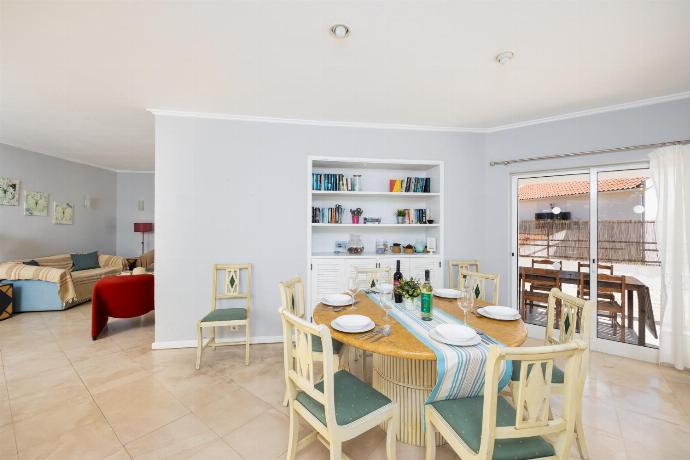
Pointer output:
x,y
35,203
9,191
63,213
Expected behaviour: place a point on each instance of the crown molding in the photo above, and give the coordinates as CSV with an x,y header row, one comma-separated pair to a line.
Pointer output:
x,y
589,112
56,155
307,122
130,171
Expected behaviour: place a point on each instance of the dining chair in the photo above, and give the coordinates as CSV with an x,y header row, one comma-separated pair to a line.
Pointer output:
x,y
600,267
488,426
455,265
535,285
292,300
365,278
369,277
339,407
584,267
231,288
607,288
546,263
574,319
477,282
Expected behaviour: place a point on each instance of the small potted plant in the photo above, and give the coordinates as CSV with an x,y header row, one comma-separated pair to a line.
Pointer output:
x,y
355,215
409,290
400,216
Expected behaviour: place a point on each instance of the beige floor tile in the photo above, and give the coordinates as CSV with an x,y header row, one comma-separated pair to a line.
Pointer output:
x,y
244,439
268,383
214,450
93,441
62,381
8,448
5,413
139,407
647,438
121,454
601,445
403,451
80,349
102,373
32,363
226,411
63,422
653,403
363,444
183,437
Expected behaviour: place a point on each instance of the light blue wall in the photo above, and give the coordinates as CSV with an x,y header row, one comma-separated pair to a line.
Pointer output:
x,y
33,236
132,187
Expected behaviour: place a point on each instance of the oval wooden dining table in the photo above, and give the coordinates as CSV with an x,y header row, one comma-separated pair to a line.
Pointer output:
x,y
404,369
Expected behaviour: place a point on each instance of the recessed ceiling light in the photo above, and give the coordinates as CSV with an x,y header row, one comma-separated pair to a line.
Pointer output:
x,y
504,57
340,30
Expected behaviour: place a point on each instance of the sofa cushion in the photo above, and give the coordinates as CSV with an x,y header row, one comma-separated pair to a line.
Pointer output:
x,y
92,275
85,261
31,262
226,314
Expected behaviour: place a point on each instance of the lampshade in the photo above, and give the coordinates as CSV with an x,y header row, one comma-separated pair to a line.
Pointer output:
x,y
143,227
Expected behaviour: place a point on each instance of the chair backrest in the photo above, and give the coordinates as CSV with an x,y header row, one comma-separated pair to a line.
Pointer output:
x,y
292,296
477,282
600,267
546,263
232,281
575,321
606,284
298,336
370,277
532,395
455,265
544,278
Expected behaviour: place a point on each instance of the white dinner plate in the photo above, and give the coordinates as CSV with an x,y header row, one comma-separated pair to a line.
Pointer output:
x,y
499,312
455,332
468,343
343,324
385,288
337,300
447,293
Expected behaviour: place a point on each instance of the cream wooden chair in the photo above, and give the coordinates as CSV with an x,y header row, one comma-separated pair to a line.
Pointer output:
x,y
231,289
487,426
477,281
570,313
292,300
365,279
340,407
455,265
368,277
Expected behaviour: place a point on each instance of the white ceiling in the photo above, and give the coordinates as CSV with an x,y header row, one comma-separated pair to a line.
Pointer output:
x,y
77,77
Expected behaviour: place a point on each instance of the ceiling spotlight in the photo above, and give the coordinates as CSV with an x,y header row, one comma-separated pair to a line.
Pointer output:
x,y
340,30
504,57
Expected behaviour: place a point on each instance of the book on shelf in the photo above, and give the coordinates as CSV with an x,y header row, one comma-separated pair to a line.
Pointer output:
x,y
416,216
410,185
332,215
331,182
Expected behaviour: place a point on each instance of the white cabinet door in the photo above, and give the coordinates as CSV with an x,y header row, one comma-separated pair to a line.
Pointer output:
x,y
326,278
352,264
419,265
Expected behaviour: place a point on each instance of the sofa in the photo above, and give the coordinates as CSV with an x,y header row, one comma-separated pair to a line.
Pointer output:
x,y
53,284
146,261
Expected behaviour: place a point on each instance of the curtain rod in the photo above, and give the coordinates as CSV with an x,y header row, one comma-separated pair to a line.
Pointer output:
x,y
591,152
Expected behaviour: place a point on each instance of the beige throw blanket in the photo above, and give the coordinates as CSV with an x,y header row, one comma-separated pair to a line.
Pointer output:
x,y
59,276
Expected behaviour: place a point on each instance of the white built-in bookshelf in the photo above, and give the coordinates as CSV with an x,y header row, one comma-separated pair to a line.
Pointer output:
x,y
329,271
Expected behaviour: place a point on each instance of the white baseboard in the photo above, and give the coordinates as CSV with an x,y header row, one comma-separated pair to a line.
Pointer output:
x,y
169,344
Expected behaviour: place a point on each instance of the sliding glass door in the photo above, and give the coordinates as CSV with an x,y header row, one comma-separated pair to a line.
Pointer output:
x,y
592,233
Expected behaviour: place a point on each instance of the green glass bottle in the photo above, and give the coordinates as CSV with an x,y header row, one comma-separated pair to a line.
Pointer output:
x,y
427,305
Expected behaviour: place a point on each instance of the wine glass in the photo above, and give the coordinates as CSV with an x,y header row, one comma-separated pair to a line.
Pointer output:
x,y
352,289
466,302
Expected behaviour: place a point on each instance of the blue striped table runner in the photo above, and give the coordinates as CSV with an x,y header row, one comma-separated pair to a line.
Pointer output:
x,y
460,370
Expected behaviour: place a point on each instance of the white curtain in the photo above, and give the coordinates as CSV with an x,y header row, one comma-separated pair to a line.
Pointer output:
x,y
670,168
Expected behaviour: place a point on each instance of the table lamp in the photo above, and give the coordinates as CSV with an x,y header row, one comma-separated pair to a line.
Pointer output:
x,y
143,227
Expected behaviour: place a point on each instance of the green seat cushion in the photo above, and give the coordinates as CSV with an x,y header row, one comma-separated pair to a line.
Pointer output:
x,y
465,417
318,347
557,375
85,261
226,314
353,399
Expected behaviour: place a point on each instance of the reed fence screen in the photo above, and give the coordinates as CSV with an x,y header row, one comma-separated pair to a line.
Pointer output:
x,y
620,241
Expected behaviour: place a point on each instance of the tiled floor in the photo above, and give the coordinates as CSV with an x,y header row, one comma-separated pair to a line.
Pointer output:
x,y
63,396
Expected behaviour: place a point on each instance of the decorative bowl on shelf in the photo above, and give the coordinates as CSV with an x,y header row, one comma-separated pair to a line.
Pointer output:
x,y
355,245
409,249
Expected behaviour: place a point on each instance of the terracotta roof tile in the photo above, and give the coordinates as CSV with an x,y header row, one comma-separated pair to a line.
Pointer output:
x,y
553,189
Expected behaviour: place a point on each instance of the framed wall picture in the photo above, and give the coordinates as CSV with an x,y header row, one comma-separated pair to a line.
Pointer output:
x,y
63,213
9,191
35,203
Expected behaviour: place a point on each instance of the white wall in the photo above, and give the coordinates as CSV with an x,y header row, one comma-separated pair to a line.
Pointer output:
x,y
232,191
33,236
642,125
132,187
616,205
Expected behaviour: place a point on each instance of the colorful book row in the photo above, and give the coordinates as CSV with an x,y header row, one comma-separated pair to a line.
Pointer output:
x,y
411,184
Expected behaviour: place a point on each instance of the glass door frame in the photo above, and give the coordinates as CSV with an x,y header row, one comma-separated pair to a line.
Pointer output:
x,y
596,344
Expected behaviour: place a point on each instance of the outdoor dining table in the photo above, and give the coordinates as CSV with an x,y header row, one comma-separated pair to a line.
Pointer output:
x,y
404,369
632,285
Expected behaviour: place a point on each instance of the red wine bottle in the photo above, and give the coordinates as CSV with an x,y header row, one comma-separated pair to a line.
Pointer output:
x,y
397,277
